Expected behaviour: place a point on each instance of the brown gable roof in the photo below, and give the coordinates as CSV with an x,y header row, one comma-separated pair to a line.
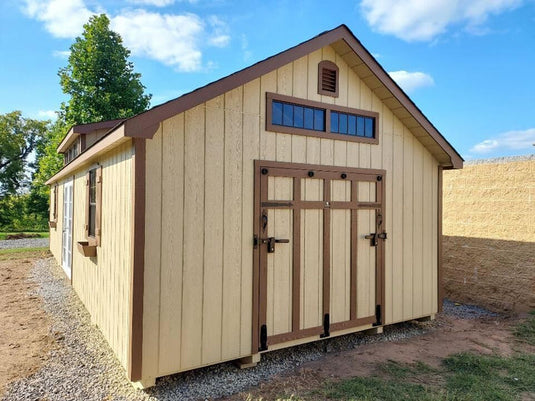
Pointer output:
x,y
83,129
145,125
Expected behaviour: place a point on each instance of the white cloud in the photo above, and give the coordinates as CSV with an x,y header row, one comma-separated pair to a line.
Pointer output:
x,y
512,140
61,53
62,18
156,3
219,36
176,40
423,20
171,39
410,81
47,114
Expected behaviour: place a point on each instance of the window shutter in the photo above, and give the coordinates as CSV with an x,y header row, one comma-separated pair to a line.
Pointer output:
x,y
87,205
98,212
328,78
55,204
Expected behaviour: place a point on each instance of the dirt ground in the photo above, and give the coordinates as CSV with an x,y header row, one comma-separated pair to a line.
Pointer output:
x,y
24,332
448,336
25,341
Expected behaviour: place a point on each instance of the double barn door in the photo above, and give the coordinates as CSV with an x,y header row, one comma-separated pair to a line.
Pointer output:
x,y
319,245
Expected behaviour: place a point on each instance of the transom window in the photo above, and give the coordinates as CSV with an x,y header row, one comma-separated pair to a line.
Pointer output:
x,y
351,124
291,115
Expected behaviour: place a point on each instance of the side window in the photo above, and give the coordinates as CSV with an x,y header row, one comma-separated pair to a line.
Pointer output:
x,y
94,203
53,214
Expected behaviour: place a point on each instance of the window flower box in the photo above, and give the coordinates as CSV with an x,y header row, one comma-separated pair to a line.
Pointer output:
x,y
87,250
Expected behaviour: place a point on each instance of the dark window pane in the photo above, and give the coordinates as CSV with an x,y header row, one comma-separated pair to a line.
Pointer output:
x,y
92,201
360,126
309,118
334,121
342,123
351,125
92,186
288,115
92,215
298,116
369,128
276,113
319,120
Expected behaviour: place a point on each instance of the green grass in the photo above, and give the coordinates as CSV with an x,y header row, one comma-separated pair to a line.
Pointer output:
x,y
22,253
371,389
42,234
526,331
463,377
489,377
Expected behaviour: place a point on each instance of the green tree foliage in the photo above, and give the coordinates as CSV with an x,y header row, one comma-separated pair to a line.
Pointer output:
x,y
99,78
18,138
48,163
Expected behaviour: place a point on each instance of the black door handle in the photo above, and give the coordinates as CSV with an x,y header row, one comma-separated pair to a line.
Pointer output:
x,y
271,242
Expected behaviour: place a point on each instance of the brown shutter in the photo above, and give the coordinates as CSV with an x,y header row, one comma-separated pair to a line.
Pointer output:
x,y
87,205
55,204
98,212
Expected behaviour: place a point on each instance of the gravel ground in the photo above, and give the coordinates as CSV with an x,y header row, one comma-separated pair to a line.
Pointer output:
x,y
83,367
24,243
463,311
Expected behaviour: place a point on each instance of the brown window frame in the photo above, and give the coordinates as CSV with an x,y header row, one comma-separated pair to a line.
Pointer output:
x,y
94,238
270,97
52,223
327,65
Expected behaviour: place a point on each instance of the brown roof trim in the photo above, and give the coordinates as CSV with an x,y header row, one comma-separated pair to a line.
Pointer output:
x,y
83,129
107,142
144,125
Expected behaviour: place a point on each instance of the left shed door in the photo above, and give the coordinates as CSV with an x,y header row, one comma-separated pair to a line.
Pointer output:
x,y
67,228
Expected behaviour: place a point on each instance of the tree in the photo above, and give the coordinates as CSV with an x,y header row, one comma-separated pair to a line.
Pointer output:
x,y
99,78
48,162
18,138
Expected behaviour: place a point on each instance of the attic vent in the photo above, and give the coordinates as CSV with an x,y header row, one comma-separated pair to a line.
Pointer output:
x,y
328,78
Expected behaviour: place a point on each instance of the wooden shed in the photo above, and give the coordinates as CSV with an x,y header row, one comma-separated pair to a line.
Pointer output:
x,y
297,199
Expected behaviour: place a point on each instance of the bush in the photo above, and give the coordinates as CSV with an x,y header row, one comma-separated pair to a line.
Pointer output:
x,y
16,214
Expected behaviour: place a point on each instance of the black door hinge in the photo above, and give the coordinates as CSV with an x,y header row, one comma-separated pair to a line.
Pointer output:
x,y
263,338
326,326
255,241
378,316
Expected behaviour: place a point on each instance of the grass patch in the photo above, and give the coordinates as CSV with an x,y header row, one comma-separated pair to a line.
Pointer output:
x,y
398,370
489,377
23,253
463,377
526,331
371,389
42,234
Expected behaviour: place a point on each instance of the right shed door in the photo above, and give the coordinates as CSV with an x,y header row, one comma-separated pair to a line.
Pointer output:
x,y
319,242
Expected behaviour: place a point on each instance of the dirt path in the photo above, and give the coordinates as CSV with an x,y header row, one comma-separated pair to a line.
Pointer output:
x,y
24,332
451,335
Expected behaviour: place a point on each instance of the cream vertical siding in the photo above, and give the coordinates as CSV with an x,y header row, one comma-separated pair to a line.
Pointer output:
x,y
199,220
103,283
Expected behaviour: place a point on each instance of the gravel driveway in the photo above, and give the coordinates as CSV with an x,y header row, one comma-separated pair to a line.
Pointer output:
x,y
24,243
83,367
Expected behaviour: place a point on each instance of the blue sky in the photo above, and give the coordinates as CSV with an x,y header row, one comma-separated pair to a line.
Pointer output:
x,y
468,65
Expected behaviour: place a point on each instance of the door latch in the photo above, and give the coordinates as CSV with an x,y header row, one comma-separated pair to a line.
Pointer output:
x,y
374,237
271,241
